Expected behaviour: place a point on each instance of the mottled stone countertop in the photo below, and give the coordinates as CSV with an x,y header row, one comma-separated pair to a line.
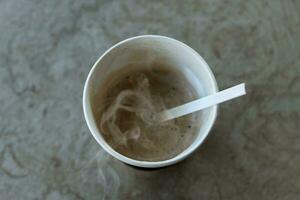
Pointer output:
x,y
47,49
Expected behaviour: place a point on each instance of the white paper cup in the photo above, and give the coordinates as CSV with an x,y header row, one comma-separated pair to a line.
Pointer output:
x,y
142,49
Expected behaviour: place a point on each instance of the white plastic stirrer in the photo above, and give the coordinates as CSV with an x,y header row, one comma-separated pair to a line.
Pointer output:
x,y
202,103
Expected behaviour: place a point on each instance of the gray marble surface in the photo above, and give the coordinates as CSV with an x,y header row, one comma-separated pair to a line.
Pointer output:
x,y
47,49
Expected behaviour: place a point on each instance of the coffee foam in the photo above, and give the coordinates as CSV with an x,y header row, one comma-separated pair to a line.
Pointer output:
x,y
128,119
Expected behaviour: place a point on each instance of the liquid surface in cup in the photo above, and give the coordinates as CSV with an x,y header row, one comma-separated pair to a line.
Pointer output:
x,y
125,109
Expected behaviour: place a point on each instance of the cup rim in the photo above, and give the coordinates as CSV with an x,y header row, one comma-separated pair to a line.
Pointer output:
x,y
96,133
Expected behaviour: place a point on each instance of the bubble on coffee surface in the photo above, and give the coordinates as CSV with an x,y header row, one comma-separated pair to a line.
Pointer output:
x,y
130,122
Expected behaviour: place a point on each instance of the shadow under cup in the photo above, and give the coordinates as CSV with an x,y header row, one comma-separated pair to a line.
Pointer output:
x,y
142,51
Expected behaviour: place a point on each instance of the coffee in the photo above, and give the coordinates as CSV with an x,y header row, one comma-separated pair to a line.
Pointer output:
x,y
125,110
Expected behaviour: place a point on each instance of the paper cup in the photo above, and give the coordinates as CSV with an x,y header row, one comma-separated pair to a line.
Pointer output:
x,y
138,50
